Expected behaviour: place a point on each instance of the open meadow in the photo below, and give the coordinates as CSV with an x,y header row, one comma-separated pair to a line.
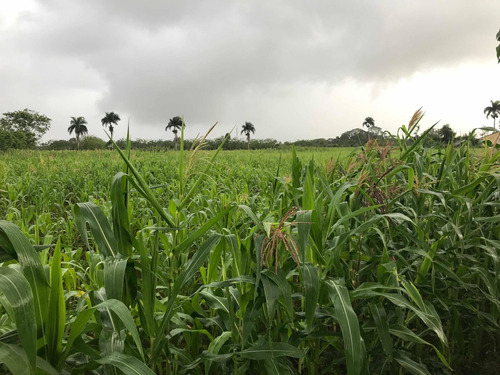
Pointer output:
x,y
319,261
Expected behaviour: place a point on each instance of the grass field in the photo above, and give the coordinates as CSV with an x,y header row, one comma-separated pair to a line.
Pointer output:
x,y
322,261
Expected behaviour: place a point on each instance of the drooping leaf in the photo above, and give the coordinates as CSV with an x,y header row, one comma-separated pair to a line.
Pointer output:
x,y
99,227
410,365
12,239
18,292
127,364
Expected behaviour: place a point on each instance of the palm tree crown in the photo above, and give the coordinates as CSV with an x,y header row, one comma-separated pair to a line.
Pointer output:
x,y
110,119
77,125
369,122
175,124
493,110
247,129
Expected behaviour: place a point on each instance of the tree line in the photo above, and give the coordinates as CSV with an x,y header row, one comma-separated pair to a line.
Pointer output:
x,y
23,130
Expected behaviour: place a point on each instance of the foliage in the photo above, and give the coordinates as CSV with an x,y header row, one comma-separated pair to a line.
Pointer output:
x,y
22,128
16,140
369,123
110,119
77,125
175,124
446,134
493,110
357,137
383,261
91,142
246,129
498,47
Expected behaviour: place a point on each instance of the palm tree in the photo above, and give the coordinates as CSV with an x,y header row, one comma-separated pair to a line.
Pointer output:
x,y
369,122
493,110
247,129
77,124
110,119
175,124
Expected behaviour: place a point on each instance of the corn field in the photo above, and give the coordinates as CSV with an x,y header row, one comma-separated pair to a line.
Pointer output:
x,y
384,261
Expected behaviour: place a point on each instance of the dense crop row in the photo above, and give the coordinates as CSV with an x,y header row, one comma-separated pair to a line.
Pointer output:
x,y
383,262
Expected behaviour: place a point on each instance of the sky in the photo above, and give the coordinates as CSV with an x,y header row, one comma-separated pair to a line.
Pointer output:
x,y
294,69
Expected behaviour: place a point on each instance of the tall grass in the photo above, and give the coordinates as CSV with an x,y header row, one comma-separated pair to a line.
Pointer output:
x,y
385,261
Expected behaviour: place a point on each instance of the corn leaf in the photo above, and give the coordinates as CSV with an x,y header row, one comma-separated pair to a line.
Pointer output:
x,y
57,310
311,292
349,326
127,364
18,292
99,227
272,350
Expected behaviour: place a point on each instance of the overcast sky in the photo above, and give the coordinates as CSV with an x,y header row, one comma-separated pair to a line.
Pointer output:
x,y
295,69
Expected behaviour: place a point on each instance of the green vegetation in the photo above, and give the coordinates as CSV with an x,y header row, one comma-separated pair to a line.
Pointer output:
x,y
383,261
493,110
247,129
498,47
22,129
110,119
175,124
78,125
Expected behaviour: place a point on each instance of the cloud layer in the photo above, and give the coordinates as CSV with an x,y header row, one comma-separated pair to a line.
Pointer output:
x,y
277,64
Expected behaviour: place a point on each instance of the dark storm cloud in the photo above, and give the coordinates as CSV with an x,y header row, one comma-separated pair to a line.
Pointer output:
x,y
156,59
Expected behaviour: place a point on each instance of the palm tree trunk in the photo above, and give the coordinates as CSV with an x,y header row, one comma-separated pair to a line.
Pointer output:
x,y
78,142
248,141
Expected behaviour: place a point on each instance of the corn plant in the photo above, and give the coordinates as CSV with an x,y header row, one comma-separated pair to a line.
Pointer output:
x,y
383,261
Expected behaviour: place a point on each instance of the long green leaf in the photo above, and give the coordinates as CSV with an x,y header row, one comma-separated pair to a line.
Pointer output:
x,y
12,239
127,364
119,213
144,189
121,312
380,318
408,335
18,292
410,365
57,310
17,362
272,350
114,275
311,292
349,326
99,226
15,359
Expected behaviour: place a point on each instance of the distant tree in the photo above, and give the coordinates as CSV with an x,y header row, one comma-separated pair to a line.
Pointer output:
x,y
498,47
376,131
369,123
175,124
110,119
91,142
16,140
247,129
77,125
493,110
446,133
30,123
